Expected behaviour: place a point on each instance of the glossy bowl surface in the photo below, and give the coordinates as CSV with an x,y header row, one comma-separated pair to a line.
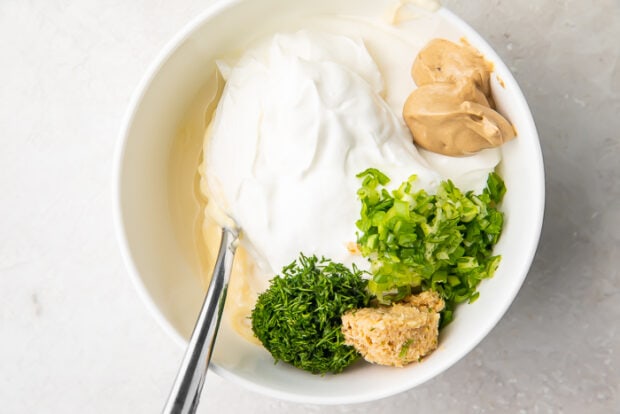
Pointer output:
x,y
168,283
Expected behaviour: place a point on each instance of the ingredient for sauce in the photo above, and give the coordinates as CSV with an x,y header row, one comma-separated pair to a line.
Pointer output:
x,y
417,241
447,62
300,115
298,318
395,335
451,112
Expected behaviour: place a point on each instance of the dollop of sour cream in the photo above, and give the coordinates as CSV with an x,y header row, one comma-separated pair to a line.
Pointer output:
x,y
301,114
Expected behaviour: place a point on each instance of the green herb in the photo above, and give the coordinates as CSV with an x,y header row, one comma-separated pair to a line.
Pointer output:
x,y
418,241
405,348
298,318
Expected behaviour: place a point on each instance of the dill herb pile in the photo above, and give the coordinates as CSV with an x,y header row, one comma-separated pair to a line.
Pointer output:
x,y
298,318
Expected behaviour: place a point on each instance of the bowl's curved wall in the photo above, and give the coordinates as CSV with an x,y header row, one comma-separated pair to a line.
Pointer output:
x,y
168,284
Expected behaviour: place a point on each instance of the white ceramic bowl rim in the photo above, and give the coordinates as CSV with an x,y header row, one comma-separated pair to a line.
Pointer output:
x,y
138,283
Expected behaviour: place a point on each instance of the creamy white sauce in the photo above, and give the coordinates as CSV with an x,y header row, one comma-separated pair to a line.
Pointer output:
x,y
301,114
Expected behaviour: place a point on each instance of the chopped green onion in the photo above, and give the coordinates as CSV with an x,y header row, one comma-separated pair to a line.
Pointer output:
x,y
416,241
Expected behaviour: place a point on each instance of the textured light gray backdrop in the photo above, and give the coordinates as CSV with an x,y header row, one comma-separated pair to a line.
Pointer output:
x,y
73,336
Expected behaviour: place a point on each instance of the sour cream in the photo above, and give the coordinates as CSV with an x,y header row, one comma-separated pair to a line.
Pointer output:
x,y
301,114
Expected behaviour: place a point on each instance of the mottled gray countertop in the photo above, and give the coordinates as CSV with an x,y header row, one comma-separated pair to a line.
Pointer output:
x,y
73,335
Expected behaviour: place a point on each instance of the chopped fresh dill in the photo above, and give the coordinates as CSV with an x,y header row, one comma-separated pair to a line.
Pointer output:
x,y
298,317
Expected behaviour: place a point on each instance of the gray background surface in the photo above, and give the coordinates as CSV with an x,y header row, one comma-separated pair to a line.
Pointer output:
x,y
73,335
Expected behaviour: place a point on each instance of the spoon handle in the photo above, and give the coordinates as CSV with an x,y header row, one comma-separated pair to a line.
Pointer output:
x,y
185,392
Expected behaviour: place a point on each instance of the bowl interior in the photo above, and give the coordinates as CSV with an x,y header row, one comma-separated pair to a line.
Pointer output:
x,y
165,272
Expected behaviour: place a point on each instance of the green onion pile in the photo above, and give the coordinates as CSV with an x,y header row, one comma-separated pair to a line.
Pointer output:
x,y
417,241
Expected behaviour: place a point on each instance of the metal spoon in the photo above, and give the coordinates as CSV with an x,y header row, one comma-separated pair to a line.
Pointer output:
x,y
187,386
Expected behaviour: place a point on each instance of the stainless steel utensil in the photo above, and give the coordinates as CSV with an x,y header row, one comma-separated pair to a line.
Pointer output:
x,y
187,387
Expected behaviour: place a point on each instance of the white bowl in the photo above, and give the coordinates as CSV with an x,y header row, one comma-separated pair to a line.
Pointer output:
x,y
159,263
